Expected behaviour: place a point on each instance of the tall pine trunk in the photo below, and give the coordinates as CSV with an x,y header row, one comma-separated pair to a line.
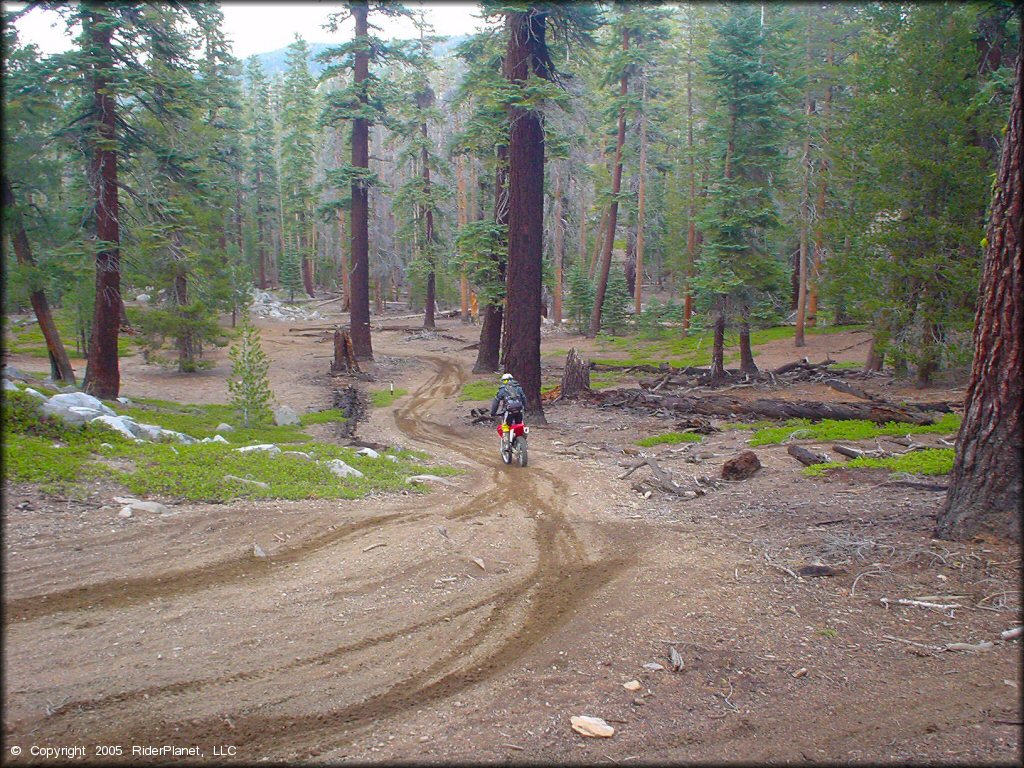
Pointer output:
x,y
526,54
102,375
426,99
691,230
559,246
613,208
985,487
60,364
819,206
359,307
641,199
805,203
488,354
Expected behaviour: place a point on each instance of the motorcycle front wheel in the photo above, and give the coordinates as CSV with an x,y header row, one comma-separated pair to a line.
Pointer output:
x,y
506,453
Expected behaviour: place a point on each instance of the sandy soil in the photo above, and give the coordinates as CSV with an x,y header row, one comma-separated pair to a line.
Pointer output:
x,y
506,602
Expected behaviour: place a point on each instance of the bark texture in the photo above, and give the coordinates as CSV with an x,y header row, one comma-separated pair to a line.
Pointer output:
x,y
985,486
102,376
359,307
526,53
59,361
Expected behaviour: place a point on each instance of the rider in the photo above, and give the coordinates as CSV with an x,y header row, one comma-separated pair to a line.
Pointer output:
x,y
512,397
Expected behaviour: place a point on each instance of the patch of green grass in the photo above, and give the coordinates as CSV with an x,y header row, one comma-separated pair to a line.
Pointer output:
x,y
847,429
197,472
669,438
846,365
479,391
28,340
931,461
58,456
201,421
605,379
382,398
828,632
326,416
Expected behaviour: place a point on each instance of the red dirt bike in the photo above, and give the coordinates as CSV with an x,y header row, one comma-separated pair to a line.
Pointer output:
x,y
513,443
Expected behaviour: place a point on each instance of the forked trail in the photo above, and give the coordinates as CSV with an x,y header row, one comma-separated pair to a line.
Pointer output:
x,y
349,648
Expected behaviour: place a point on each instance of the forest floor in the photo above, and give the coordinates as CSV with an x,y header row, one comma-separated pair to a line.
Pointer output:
x,y
469,624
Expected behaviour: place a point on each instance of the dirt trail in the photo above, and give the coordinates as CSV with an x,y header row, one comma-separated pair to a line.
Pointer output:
x,y
372,633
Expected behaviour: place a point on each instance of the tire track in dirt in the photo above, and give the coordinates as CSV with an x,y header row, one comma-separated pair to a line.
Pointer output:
x,y
519,617
126,592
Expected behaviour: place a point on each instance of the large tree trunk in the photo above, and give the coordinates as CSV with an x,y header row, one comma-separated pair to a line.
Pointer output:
x,y
462,210
488,353
718,348
613,208
638,289
102,375
59,361
526,54
819,207
691,229
747,364
559,247
359,307
427,100
805,202
985,486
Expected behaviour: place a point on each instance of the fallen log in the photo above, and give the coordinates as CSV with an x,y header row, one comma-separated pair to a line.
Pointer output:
x,y
724,405
850,453
806,457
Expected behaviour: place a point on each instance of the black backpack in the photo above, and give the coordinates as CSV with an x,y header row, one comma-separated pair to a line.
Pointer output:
x,y
515,398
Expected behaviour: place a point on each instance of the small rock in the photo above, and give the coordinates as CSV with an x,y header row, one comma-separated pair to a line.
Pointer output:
x,y
125,512
426,479
297,455
222,427
800,672
653,666
632,685
245,480
268,447
125,500
638,702
341,469
214,439
479,562
392,459
124,401
10,386
594,727
284,416
33,393
368,452
257,550
741,466
154,507
143,298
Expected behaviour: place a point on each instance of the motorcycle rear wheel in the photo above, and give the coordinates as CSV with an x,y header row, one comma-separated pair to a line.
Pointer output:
x,y
521,450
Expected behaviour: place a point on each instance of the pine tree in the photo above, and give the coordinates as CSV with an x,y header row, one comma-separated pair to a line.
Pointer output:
x,y
249,384
615,313
581,297
421,195
262,170
737,272
363,102
299,111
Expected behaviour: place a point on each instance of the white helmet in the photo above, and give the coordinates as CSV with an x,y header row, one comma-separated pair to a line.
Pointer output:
x,y
506,377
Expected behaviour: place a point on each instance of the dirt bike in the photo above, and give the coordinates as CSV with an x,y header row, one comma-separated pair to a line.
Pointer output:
x,y
513,443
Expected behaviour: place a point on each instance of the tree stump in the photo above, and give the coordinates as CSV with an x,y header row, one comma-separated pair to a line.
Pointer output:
x,y
344,355
576,378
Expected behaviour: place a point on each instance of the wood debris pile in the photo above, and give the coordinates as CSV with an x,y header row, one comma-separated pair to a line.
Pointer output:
x,y
687,391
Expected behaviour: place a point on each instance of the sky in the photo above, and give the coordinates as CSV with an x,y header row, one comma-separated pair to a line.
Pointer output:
x,y
268,26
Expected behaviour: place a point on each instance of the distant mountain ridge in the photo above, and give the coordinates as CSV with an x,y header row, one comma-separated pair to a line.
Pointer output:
x,y
276,61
